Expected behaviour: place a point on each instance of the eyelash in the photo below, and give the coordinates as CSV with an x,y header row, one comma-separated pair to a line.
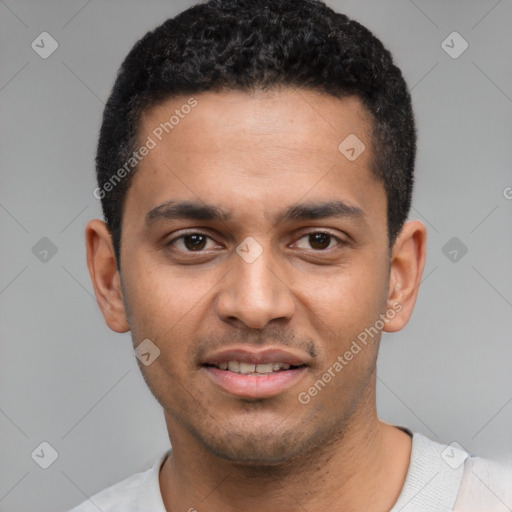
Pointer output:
x,y
339,241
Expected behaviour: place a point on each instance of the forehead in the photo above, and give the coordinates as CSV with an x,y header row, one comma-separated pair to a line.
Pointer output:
x,y
316,121
256,151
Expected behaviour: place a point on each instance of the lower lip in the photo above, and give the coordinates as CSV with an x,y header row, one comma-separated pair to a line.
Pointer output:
x,y
255,386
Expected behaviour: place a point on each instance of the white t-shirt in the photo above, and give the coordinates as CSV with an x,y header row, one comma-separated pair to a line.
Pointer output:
x,y
439,475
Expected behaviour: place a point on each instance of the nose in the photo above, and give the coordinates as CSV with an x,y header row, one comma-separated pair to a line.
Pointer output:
x,y
255,293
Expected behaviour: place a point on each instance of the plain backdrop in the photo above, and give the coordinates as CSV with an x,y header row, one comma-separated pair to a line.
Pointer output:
x,y
66,380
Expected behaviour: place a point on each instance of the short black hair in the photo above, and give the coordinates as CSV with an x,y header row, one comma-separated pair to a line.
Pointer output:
x,y
257,45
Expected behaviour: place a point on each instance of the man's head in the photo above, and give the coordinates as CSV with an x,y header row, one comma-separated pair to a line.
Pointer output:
x,y
264,224
247,45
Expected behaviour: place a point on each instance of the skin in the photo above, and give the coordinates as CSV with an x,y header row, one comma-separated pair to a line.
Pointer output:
x,y
254,155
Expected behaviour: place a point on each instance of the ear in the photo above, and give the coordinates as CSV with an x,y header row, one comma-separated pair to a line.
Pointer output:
x,y
105,277
407,263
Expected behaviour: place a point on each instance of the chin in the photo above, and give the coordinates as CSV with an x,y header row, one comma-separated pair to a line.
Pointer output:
x,y
254,450
261,445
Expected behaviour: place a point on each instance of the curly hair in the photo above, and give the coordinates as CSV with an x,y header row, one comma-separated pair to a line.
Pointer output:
x,y
248,45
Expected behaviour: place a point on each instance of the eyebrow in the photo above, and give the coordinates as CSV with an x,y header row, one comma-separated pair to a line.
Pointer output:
x,y
189,210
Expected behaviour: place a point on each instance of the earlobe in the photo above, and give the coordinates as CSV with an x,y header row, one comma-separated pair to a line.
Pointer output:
x,y
407,263
105,277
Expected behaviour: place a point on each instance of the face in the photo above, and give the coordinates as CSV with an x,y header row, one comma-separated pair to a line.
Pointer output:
x,y
254,254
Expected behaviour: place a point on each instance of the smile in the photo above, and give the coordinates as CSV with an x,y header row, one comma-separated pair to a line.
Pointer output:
x,y
255,369
255,372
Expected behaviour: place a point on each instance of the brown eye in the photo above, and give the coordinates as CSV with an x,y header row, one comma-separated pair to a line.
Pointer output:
x,y
193,242
319,241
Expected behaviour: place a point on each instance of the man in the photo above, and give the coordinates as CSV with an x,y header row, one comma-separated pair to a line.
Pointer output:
x,y
255,167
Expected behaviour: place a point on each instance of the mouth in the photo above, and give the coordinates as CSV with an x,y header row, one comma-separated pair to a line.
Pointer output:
x,y
251,373
253,369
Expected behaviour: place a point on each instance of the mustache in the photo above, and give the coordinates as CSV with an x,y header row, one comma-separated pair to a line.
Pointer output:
x,y
271,336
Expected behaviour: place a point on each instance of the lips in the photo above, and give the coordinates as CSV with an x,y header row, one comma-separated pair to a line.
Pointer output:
x,y
255,372
255,356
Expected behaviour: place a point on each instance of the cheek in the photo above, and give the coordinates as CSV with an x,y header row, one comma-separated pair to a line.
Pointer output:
x,y
162,300
344,314
349,300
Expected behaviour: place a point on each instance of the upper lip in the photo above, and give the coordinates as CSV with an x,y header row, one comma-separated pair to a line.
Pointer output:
x,y
253,355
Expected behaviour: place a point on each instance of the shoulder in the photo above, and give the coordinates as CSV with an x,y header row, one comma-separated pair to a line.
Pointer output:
x,y
127,494
469,482
486,483
434,475
121,495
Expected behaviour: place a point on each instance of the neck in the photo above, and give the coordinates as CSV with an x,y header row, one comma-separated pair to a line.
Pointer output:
x,y
361,469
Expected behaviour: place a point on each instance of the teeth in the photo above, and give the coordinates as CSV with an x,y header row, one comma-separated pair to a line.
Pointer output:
x,y
234,366
248,368
265,368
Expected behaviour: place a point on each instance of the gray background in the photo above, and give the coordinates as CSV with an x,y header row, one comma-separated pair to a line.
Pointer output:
x,y
66,379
